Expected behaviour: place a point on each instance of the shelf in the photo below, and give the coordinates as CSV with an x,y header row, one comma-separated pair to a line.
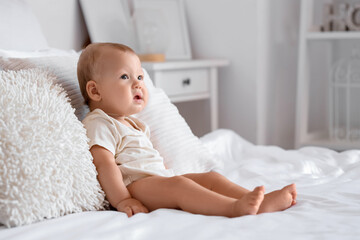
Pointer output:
x,y
333,35
344,85
322,139
318,52
333,144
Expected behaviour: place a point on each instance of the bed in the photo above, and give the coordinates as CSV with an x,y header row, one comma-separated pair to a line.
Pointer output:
x,y
328,202
328,182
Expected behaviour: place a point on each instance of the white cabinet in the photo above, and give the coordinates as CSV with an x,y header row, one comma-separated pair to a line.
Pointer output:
x,y
188,84
328,97
189,80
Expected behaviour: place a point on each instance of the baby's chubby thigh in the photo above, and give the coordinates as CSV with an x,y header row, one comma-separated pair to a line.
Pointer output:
x,y
158,192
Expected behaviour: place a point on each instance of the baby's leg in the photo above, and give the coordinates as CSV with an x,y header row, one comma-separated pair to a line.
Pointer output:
x,y
274,201
183,193
218,183
279,200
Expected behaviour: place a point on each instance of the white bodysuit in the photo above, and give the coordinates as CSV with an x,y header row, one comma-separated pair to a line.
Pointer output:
x,y
132,148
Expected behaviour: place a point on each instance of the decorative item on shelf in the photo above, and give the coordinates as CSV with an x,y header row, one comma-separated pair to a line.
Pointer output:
x,y
156,29
109,21
152,34
161,28
353,17
341,17
334,20
344,99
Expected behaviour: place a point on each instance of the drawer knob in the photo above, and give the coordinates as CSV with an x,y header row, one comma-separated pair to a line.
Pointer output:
x,y
186,82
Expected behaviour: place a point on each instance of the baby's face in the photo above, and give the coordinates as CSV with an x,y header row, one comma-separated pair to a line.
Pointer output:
x,y
120,81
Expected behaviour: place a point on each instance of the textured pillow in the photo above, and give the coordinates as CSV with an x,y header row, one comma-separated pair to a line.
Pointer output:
x,y
39,53
172,137
46,167
20,30
63,67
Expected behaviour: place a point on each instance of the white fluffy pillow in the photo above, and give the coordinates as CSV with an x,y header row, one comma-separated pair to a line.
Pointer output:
x,y
63,67
46,168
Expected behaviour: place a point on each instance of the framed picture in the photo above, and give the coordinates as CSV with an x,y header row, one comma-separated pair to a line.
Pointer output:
x,y
162,24
109,21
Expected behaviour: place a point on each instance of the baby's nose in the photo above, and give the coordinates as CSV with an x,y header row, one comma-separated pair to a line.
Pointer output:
x,y
137,85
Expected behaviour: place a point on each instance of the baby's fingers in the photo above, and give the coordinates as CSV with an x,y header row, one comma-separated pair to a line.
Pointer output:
x,y
139,209
145,210
128,211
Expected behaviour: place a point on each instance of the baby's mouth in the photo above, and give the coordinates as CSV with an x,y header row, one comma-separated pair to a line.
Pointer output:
x,y
137,97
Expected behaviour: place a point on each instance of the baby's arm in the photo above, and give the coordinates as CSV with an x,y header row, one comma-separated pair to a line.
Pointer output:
x,y
110,179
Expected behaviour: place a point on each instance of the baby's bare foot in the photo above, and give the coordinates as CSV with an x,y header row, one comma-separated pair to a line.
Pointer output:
x,y
279,200
249,204
292,191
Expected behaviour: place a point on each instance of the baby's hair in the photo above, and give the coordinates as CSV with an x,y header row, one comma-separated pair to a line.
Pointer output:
x,y
88,60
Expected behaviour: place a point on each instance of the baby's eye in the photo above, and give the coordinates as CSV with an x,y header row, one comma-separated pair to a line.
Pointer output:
x,y
140,77
124,76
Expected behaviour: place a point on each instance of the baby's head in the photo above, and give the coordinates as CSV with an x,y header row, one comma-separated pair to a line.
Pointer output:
x,y
111,78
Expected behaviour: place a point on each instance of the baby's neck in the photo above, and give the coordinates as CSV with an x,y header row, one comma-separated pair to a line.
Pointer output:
x,y
120,118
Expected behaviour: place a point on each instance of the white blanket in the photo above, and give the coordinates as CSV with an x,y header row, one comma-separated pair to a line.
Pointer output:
x,y
328,204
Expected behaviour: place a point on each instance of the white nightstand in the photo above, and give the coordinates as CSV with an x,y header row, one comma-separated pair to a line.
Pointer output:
x,y
189,80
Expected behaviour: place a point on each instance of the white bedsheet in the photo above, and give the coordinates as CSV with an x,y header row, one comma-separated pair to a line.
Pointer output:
x,y
328,205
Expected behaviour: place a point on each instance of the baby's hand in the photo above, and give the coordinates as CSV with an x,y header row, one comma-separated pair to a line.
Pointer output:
x,y
131,206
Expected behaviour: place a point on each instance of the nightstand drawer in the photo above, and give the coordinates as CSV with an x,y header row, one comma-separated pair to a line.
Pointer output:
x,y
183,82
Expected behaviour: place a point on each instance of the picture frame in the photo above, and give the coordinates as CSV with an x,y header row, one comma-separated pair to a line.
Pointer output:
x,y
177,36
109,21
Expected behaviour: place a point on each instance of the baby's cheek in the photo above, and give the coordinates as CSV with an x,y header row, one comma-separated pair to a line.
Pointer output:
x,y
146,96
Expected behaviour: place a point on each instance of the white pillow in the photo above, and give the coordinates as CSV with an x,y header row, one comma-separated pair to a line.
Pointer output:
x,y
63,67
170,134
46,167
20,30
38,53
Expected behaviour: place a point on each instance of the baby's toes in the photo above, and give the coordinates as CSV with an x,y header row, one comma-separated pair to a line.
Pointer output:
x,y
292,191
258,195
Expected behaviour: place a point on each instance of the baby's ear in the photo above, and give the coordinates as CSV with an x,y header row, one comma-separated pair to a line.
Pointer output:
x,y
92,91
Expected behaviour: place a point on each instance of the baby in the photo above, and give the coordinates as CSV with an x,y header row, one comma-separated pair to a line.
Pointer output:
x,y
130,171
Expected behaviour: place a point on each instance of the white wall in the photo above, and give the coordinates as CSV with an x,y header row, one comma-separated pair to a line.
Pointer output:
x,y
227,29
258,90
